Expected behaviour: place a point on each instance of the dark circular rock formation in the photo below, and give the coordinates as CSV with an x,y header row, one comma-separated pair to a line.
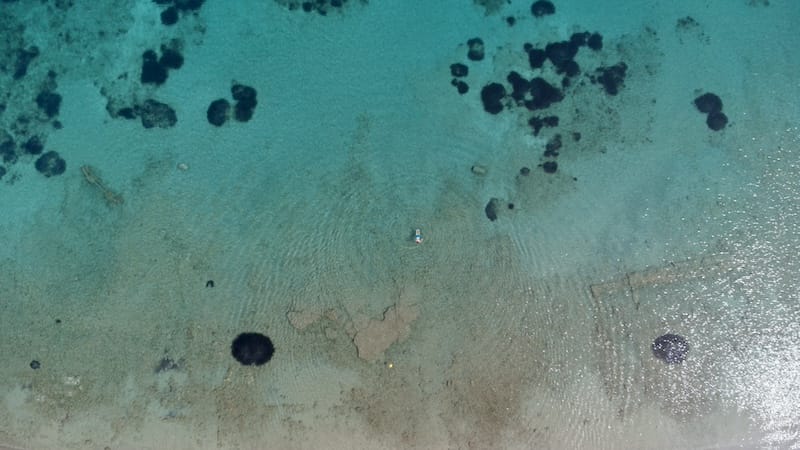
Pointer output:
x,y
716,120
671,348
35,364
252,349
51,164
708,103
525,171
218,112
476,49
542,8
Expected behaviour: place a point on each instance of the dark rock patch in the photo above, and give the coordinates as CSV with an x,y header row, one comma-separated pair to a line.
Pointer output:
x,y
169,16
50,164
542,8
3,171
156,114
525,171
491,209
536,58
475,50
189,5
553,146
246,102
152,71
716,120
49,102
537,122
8,150
252,349
550,166
33,146
670,348
461,86
708,103
492,96
170,58
544,94
218,112
595,42
612,78
23,60
459,70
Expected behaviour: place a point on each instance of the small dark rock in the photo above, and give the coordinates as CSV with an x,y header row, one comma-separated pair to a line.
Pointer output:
x,y
491,209
612,78
166,364
245,97
33,146
476,49
169,16
218,112
525,171
252,349
49,102
550,166
152,71
536,58
35,364
553,146
188,5
461,86
544,94
511,20
210,283
595,41
542,8
127,113
50,164
156,114
24,58
8,150
170,58
459,70
670,348
716,120
3,171
492,96
708,103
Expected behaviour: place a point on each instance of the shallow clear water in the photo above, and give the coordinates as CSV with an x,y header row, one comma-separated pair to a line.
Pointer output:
x,y
533,330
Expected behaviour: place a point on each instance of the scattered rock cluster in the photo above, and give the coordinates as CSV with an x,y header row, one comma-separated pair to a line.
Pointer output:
x,y
321,7
554,72
219,111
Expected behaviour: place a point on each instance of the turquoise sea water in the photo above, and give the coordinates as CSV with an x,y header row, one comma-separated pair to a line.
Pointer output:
x,y
530,331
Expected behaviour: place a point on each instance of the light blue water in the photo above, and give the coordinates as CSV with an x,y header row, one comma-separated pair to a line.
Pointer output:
x,y
530,331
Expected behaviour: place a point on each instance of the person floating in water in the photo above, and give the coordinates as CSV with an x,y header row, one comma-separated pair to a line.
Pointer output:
x,y
418,236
